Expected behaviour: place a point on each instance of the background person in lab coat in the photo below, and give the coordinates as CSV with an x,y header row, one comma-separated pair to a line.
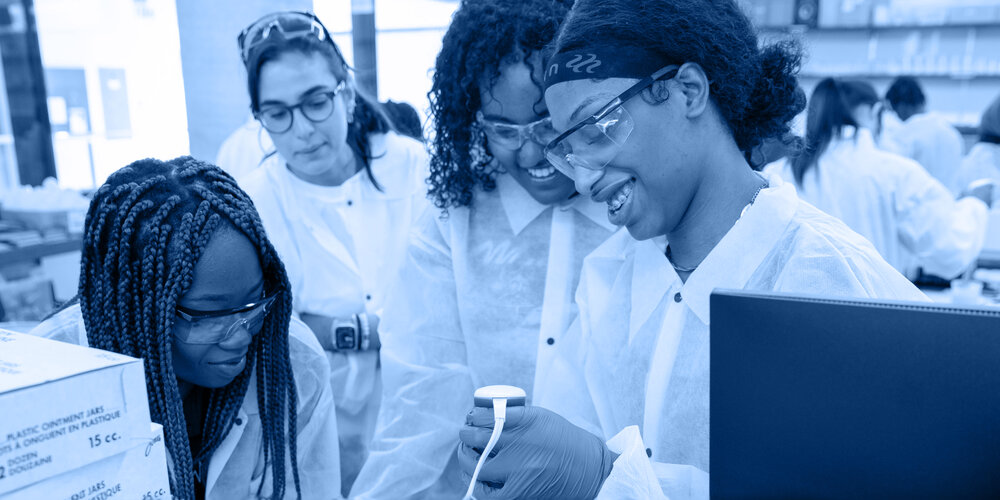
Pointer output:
x,y
907,214
486,291
923,136
983,160
337,200
659,131
177,271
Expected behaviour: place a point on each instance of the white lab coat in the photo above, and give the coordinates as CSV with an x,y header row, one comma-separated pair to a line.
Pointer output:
x,y
635,366
931,141
982,162
907,214
244,149
236,468
342,247
484,299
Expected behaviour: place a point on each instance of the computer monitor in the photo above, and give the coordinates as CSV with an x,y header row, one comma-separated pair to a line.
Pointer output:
x,y
821,398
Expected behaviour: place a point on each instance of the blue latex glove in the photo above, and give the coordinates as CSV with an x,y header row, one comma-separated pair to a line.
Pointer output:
x,y
539,455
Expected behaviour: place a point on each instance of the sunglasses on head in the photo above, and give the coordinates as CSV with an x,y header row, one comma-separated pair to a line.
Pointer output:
x,y
283,26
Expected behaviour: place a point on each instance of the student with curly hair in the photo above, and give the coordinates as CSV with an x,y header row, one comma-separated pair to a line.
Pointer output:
x,y
337,199
660,104
176,270
487,289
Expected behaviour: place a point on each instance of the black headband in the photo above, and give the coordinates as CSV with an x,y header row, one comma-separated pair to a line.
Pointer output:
x,y
600,63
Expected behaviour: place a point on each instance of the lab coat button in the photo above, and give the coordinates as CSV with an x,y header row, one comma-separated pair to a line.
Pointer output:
x,y
368,297
550,341
649,452
677,297
349,202
239,421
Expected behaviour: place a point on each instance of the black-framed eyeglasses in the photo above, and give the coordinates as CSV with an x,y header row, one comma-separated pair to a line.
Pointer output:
x,y
289,25
212,327
513,136
278,118
595,141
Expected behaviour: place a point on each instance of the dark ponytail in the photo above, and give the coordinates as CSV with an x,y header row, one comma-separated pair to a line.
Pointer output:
x,y
829,112
369,118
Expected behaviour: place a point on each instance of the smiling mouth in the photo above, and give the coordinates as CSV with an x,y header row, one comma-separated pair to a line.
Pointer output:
x,y
616,202
231,362
542,171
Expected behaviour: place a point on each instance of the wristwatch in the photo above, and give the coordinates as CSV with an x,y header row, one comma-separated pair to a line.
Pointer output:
x,y
346,333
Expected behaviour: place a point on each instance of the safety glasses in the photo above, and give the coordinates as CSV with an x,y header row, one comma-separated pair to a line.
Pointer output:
x,y
212,327
511,136
278,118
286,25
595,141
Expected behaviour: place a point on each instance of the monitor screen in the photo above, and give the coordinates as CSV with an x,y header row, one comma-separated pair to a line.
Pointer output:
x,y
821,398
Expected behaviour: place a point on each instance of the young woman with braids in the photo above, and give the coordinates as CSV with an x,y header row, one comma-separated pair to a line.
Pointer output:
x,y
659,105
177,270
337,199
486,291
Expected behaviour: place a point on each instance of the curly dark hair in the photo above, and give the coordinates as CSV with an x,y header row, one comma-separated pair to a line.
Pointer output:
x,y
482,36
753,88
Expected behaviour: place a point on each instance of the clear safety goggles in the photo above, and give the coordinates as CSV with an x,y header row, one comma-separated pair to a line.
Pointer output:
x,y
595,141
512,136
278,118
212,327
288,25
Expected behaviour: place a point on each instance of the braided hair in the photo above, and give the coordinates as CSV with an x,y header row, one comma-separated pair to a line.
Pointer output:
x,y
483,35
146,228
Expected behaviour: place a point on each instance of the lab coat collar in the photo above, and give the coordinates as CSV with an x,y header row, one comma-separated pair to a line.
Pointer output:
x,y
742,250
652,278
226,448
521,208
312,220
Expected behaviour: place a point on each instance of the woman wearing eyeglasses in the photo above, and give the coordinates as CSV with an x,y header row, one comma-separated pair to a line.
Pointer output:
x,y
658,105
177,270
910,217
486,291
337,199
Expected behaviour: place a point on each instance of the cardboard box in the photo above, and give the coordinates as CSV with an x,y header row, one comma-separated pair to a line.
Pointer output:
x,y
140,473
64,406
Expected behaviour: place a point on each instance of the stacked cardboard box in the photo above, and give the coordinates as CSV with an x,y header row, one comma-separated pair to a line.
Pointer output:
x,y
74,424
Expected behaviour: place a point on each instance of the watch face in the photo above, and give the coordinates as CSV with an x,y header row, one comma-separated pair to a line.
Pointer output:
x,y
345,337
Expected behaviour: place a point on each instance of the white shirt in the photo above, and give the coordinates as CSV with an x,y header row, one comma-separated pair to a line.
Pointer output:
x,y
342,247
244,149
931,141
982,162
484,298
236,469
635,366
893,203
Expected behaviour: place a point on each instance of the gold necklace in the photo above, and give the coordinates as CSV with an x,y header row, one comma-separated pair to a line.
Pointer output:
x,y
681,269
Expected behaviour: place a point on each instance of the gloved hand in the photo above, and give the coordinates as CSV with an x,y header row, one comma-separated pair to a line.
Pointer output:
x,y
539,455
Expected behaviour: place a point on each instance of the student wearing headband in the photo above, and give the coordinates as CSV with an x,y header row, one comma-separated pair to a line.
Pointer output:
x,y
659,105
486,292
337,198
